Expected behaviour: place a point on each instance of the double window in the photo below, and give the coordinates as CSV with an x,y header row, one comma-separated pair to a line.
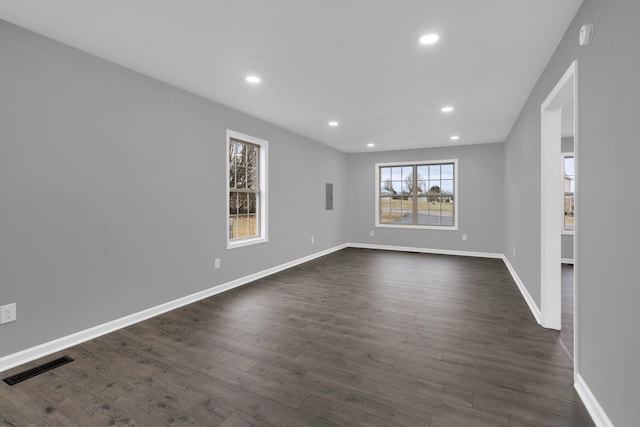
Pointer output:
x,y
417,195
246,185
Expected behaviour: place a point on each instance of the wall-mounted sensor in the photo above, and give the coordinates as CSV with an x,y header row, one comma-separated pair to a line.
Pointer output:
x,y
586,34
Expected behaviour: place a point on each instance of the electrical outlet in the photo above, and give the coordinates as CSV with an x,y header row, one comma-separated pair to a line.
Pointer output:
x,y
464,237
313,239
8,313
216,263
371,233
514,251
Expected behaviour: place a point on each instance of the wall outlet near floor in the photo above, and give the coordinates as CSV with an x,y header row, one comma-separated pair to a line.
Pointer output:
x,y
464,237
313,239
216,263
371,233
8,313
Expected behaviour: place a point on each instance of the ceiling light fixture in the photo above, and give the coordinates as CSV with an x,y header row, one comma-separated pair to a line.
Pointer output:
x,y
446,109
371,144
429,38
333,123
253,79
455,138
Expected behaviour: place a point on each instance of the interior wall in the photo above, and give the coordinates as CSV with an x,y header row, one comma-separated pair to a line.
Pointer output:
x,y
113,191
480,202
607,291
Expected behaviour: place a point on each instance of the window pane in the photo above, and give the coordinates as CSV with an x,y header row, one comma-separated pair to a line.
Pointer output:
x,y
387,213
233,203
385,174
447,171
397,187
396,174
252,178
446,211
252,204
407,173
423,187
447,186
252,225
423,172
423,211
434,171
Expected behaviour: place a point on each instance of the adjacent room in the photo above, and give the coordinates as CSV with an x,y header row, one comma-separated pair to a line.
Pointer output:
x,y
337,213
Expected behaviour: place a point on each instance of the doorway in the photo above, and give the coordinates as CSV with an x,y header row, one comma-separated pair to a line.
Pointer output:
x,y
558,119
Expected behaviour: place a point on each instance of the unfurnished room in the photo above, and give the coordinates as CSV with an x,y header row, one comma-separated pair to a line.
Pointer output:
x,y
319,213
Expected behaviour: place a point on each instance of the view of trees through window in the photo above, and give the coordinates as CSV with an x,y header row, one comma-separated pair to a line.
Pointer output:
x,y
418,194
244,189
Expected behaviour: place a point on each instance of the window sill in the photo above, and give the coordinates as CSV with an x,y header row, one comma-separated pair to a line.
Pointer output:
x,y
568,233
421,227
246,242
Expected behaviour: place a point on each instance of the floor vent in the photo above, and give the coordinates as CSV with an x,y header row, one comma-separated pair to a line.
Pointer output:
x,y
30,373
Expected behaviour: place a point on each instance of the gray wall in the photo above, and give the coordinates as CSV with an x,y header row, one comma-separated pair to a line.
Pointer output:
x,y
567,239
607,245
112,189
480,180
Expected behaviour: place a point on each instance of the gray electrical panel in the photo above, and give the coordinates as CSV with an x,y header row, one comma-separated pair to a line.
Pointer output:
x,y
328,196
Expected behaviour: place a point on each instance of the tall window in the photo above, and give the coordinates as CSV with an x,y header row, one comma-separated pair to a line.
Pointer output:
x,y
417,195
569,192
246,184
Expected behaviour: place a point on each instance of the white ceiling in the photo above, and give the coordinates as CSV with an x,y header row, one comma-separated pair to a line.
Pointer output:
x,y
355,61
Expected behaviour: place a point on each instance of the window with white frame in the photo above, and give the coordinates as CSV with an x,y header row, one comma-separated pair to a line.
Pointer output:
x,y
246,190
417,195
569,192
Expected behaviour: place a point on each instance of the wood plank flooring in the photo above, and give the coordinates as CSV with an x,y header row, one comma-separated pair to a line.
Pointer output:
x,y
355,338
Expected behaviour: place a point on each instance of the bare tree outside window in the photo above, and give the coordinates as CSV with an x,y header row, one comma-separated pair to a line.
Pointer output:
x,y
244,189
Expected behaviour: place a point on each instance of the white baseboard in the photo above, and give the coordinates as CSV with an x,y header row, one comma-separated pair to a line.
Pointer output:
x,y
45,349
598,415
567,261
523,290
425,250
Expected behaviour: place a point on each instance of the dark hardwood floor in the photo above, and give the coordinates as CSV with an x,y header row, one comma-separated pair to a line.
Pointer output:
x,y
566,333
355,338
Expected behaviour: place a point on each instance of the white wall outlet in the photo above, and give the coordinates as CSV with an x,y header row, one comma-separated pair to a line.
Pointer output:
x,y
8,313
464,237
216,263
371,233
313,239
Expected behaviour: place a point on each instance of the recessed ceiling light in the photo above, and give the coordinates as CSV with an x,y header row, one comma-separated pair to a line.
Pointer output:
x,y
446,109
455,138
429,38
333,123
371,144
253,79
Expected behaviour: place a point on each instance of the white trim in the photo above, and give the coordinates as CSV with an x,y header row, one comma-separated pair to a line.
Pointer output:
x,y
566,261
45,349
551,196
263,208
453,227
598,415
523,290
425,250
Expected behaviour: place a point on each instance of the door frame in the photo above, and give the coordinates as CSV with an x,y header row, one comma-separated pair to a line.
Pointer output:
x,y
552,199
